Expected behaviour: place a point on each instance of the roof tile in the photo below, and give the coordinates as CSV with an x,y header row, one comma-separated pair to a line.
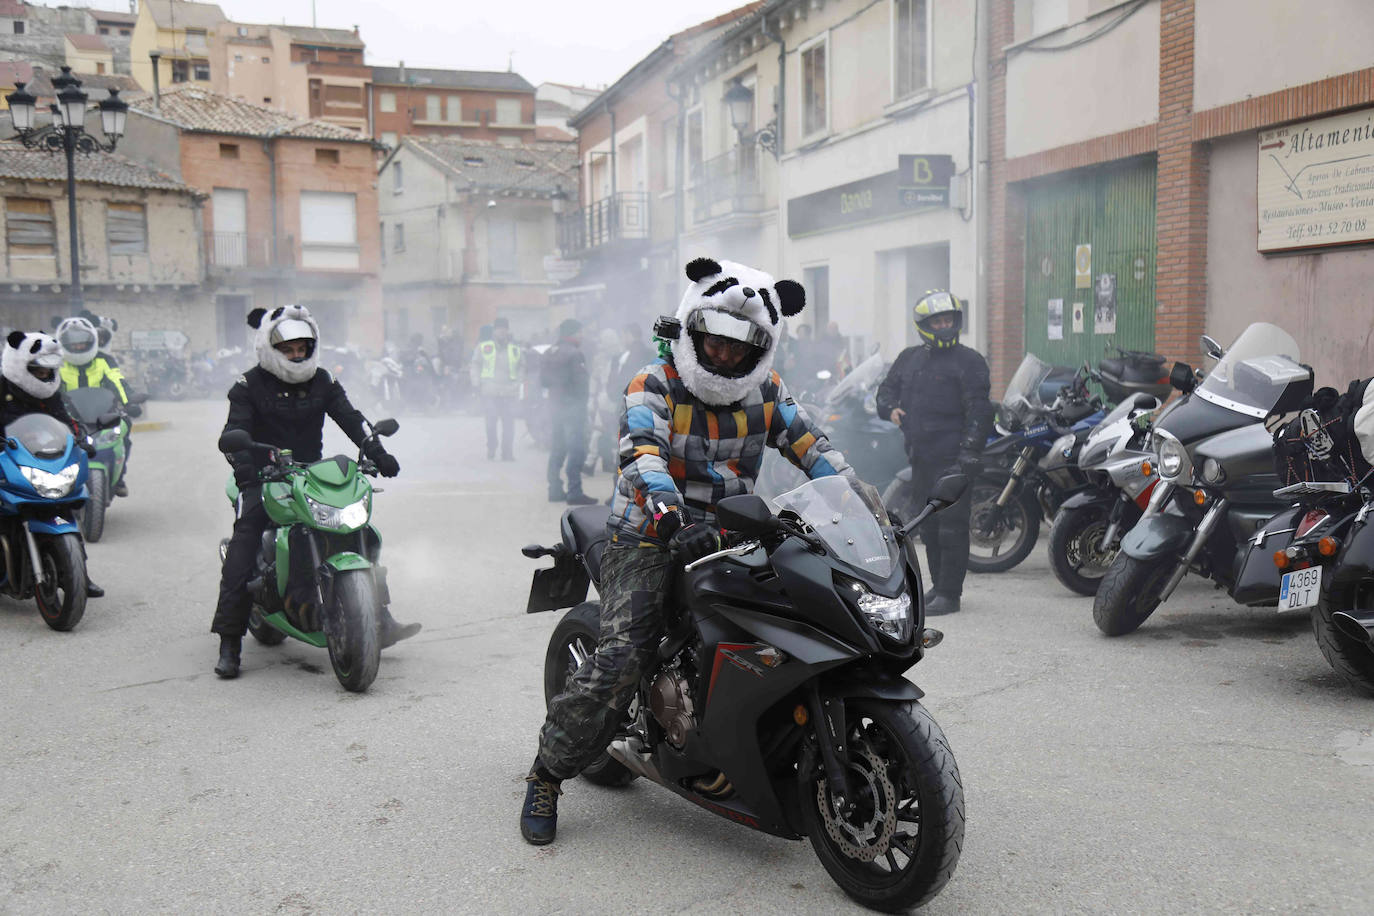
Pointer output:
x,y
537,168
17,161
194,108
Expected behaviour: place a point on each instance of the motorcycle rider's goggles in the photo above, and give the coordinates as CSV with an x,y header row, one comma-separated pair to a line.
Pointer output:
x,y
741,331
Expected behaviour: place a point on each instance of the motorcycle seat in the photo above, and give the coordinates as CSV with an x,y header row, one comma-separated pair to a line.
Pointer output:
x,y
584,528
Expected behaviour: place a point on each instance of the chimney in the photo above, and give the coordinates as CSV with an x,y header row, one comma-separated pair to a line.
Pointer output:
x,y
402,78
156,58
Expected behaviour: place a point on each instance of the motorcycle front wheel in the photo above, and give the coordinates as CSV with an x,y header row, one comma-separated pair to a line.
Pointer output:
x,y
899,843
1077,555
93,513
573,642
1129,593
355,647
1000,537
61,596
1352,659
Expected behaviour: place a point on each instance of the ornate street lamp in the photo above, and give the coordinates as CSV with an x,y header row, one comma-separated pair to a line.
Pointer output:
x,y
739,102
68,133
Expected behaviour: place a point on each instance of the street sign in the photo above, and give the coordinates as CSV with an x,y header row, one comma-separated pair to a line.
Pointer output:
x,y
924,179
561,270
158,340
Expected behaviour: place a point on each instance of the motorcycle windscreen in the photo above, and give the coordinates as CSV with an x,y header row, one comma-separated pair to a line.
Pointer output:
x,y
849,518
44,436
1022,396
89,403
1257,373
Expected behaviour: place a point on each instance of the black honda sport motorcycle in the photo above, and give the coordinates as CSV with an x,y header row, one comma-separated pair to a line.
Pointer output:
x,y
777,700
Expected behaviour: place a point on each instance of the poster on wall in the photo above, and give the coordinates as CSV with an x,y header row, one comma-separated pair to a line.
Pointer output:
x,y
1056,319
1104,304
1316,183
1082,267
1078,318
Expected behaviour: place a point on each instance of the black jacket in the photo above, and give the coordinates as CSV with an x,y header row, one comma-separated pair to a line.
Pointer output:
x,y
564,372
944,393
15,402
287,416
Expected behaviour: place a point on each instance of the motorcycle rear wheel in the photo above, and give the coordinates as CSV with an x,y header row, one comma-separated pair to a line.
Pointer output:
x,y
1129,593
61,597
355,646
93,513
1000,538
573,640
1077,556
1351,659
902,844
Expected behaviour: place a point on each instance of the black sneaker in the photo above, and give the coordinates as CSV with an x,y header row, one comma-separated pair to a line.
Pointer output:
x,y
582,499
942,604
393,631
557,496
121,489
539,816
93,590
229,649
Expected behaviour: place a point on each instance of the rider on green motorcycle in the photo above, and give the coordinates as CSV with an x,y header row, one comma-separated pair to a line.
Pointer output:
x,y
282,401
84,366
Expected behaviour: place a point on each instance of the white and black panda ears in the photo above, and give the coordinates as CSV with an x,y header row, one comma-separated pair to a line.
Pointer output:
x,y
699,269
791,297
255,318
16,341
15,338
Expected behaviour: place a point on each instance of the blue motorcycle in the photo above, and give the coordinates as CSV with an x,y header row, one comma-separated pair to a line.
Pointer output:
x,y
42,489
1031,466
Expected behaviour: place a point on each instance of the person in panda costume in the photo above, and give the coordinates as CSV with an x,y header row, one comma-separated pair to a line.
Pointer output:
x,y
29,383
282,401
694,426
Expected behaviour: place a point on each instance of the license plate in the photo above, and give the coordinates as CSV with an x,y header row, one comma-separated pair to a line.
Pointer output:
x,y
1300,589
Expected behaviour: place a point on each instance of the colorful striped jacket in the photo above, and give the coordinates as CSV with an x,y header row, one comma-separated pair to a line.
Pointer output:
x,y
683,452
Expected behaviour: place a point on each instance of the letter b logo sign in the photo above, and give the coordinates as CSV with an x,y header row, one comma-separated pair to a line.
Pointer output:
x,y
920,171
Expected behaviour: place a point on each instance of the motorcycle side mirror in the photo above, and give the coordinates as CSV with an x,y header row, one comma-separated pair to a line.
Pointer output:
x,y
107,420
1211,347
236,440
138,398
1182,377
386,427
946,492
746,513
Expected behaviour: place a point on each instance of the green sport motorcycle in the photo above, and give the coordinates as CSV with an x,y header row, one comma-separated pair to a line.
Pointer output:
x,y
110,463
318,575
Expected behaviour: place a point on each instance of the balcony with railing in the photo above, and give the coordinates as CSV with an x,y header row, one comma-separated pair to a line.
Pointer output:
x,y
735,183
620,218
226,252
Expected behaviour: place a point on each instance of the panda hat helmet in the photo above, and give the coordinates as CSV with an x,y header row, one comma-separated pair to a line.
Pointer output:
x,y
79,340
30,363
740,310
281,325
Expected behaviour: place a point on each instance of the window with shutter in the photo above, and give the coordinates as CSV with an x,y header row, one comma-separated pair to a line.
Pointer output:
x,y
29,228
507,111
126,228
501,254
455,108
432,103
329,230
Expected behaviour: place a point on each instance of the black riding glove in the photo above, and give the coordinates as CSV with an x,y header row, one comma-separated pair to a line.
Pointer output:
x,y
970,464
694,542
87,446
387,465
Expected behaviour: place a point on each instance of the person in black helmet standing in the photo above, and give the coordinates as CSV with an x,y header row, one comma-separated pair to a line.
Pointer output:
x,y
938,394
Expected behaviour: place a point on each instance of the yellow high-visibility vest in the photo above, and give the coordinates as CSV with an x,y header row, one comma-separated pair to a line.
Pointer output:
x,y
488,350
92,375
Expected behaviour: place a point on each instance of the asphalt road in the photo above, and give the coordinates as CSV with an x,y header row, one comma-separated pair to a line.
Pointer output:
x,y
1210,762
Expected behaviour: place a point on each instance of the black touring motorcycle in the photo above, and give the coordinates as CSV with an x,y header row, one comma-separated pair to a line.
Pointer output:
x,y
777,700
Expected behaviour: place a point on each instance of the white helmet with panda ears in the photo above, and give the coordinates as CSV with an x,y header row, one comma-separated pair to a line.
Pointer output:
x,y
31,362
79,340
286,323
726,299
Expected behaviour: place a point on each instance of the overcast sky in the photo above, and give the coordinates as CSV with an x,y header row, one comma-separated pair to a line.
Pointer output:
x,y
588,43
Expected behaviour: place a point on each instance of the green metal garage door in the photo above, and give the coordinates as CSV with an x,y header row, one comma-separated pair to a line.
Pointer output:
x,y
1111,208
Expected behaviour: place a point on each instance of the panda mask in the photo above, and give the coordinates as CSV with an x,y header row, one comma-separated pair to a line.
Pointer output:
x,y
27,352
293,321
730,300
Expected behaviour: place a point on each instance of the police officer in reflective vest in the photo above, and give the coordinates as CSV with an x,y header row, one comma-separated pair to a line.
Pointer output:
x,y
498,365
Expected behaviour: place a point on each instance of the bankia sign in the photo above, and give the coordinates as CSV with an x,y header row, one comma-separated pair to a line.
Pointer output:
x,y
1316,183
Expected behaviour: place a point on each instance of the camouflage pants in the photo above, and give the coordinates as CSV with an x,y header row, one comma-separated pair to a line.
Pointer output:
x,y
582,719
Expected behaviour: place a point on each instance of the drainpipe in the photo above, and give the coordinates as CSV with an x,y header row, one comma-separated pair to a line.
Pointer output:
x,y
156,58
269,149
979,168
679,173
772,35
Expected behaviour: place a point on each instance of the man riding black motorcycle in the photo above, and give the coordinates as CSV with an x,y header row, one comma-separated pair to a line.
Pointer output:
x,y
282,401
938,394
693,431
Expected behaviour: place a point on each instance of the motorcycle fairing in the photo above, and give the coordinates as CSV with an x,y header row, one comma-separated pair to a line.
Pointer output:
x,y
53,525
1090,497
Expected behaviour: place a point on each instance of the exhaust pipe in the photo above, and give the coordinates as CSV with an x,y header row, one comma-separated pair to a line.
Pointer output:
x,y
1358,625
630,753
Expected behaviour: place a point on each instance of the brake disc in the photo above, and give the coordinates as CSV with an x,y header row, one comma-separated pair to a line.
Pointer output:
x,y
850,838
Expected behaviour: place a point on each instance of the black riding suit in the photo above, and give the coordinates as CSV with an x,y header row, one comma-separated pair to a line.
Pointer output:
x,y
944,394
288,417
15,402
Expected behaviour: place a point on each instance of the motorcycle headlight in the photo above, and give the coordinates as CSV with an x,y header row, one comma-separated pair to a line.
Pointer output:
x,y
1212,472
889,616
353,515
1173,457
106,438
49,485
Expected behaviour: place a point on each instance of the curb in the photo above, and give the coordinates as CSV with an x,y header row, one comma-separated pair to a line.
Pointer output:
x,y
150,426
